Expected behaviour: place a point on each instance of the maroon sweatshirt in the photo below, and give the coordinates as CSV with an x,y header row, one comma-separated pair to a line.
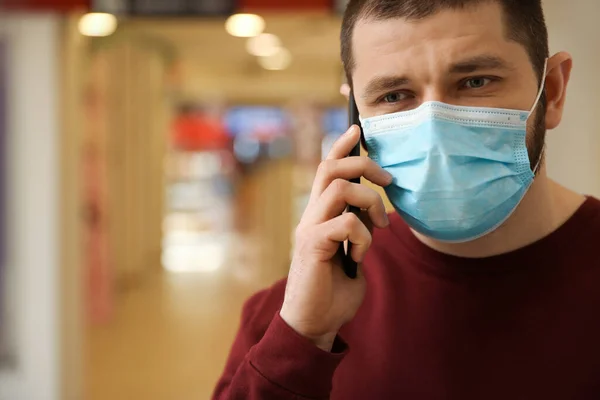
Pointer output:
x,y
522,325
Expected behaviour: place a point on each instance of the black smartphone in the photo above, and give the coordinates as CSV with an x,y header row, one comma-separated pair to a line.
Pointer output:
x,y
350,266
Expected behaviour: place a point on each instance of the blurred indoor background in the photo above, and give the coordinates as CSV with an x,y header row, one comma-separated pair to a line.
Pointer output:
x,y
157,155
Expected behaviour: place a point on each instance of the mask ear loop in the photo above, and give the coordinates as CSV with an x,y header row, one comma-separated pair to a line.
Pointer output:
x,y
542,87
535,104
539,163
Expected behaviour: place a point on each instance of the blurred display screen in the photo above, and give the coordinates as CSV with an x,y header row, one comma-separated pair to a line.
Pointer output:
x,y
175,7
284,5
335,121
259,123
110,6
54,5
212,6
158,6
164,7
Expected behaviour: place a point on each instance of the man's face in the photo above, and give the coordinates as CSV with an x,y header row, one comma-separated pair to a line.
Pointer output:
x,y
460,57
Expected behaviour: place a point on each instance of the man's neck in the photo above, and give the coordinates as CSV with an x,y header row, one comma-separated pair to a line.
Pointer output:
x,y
545,208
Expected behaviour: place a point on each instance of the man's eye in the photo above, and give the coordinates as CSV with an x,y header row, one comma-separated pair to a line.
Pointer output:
x,y
394,97
476,83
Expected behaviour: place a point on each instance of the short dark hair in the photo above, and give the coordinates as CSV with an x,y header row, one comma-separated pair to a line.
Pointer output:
x,y
524,20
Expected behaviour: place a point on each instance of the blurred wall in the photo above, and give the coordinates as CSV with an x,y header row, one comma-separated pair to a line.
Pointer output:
x,y
42,232
574,148
33,203
136,127
215,65
71,287
124,125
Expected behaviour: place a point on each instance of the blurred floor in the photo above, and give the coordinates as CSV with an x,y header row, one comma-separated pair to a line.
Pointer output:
x,y
171,333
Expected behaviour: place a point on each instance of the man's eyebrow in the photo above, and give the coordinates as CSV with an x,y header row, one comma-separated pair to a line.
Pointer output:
x,y
384,83
480,63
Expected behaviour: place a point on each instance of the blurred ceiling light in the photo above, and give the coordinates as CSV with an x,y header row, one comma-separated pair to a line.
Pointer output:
x,y
98,24
278,61
264,45
245,25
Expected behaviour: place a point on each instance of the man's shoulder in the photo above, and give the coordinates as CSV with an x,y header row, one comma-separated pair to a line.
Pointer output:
x,y
593,207
587,217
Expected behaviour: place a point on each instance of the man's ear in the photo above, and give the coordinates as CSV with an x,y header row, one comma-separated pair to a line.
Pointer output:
x,y
557,80
345,91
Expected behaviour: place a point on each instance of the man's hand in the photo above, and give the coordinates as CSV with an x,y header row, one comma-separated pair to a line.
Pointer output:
x,y
319,298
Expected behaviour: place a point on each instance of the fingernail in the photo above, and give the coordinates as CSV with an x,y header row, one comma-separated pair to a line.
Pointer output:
x,y
388,177
387,219
361,259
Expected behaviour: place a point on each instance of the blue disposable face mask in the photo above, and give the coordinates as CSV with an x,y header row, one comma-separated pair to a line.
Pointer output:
x,y
459,172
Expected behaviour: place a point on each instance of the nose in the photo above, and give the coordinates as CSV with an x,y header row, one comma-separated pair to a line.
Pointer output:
x,y
432,93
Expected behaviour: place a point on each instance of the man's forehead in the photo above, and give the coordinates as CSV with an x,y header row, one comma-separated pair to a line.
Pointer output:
x,y
449,40
485,13
483,22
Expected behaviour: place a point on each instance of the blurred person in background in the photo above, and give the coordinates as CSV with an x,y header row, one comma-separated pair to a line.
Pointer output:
x,y
484,284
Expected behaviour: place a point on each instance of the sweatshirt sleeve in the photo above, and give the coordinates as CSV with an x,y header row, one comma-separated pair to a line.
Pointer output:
x,y
269,360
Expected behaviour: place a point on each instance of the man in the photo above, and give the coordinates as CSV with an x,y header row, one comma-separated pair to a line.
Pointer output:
x,y
484,284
